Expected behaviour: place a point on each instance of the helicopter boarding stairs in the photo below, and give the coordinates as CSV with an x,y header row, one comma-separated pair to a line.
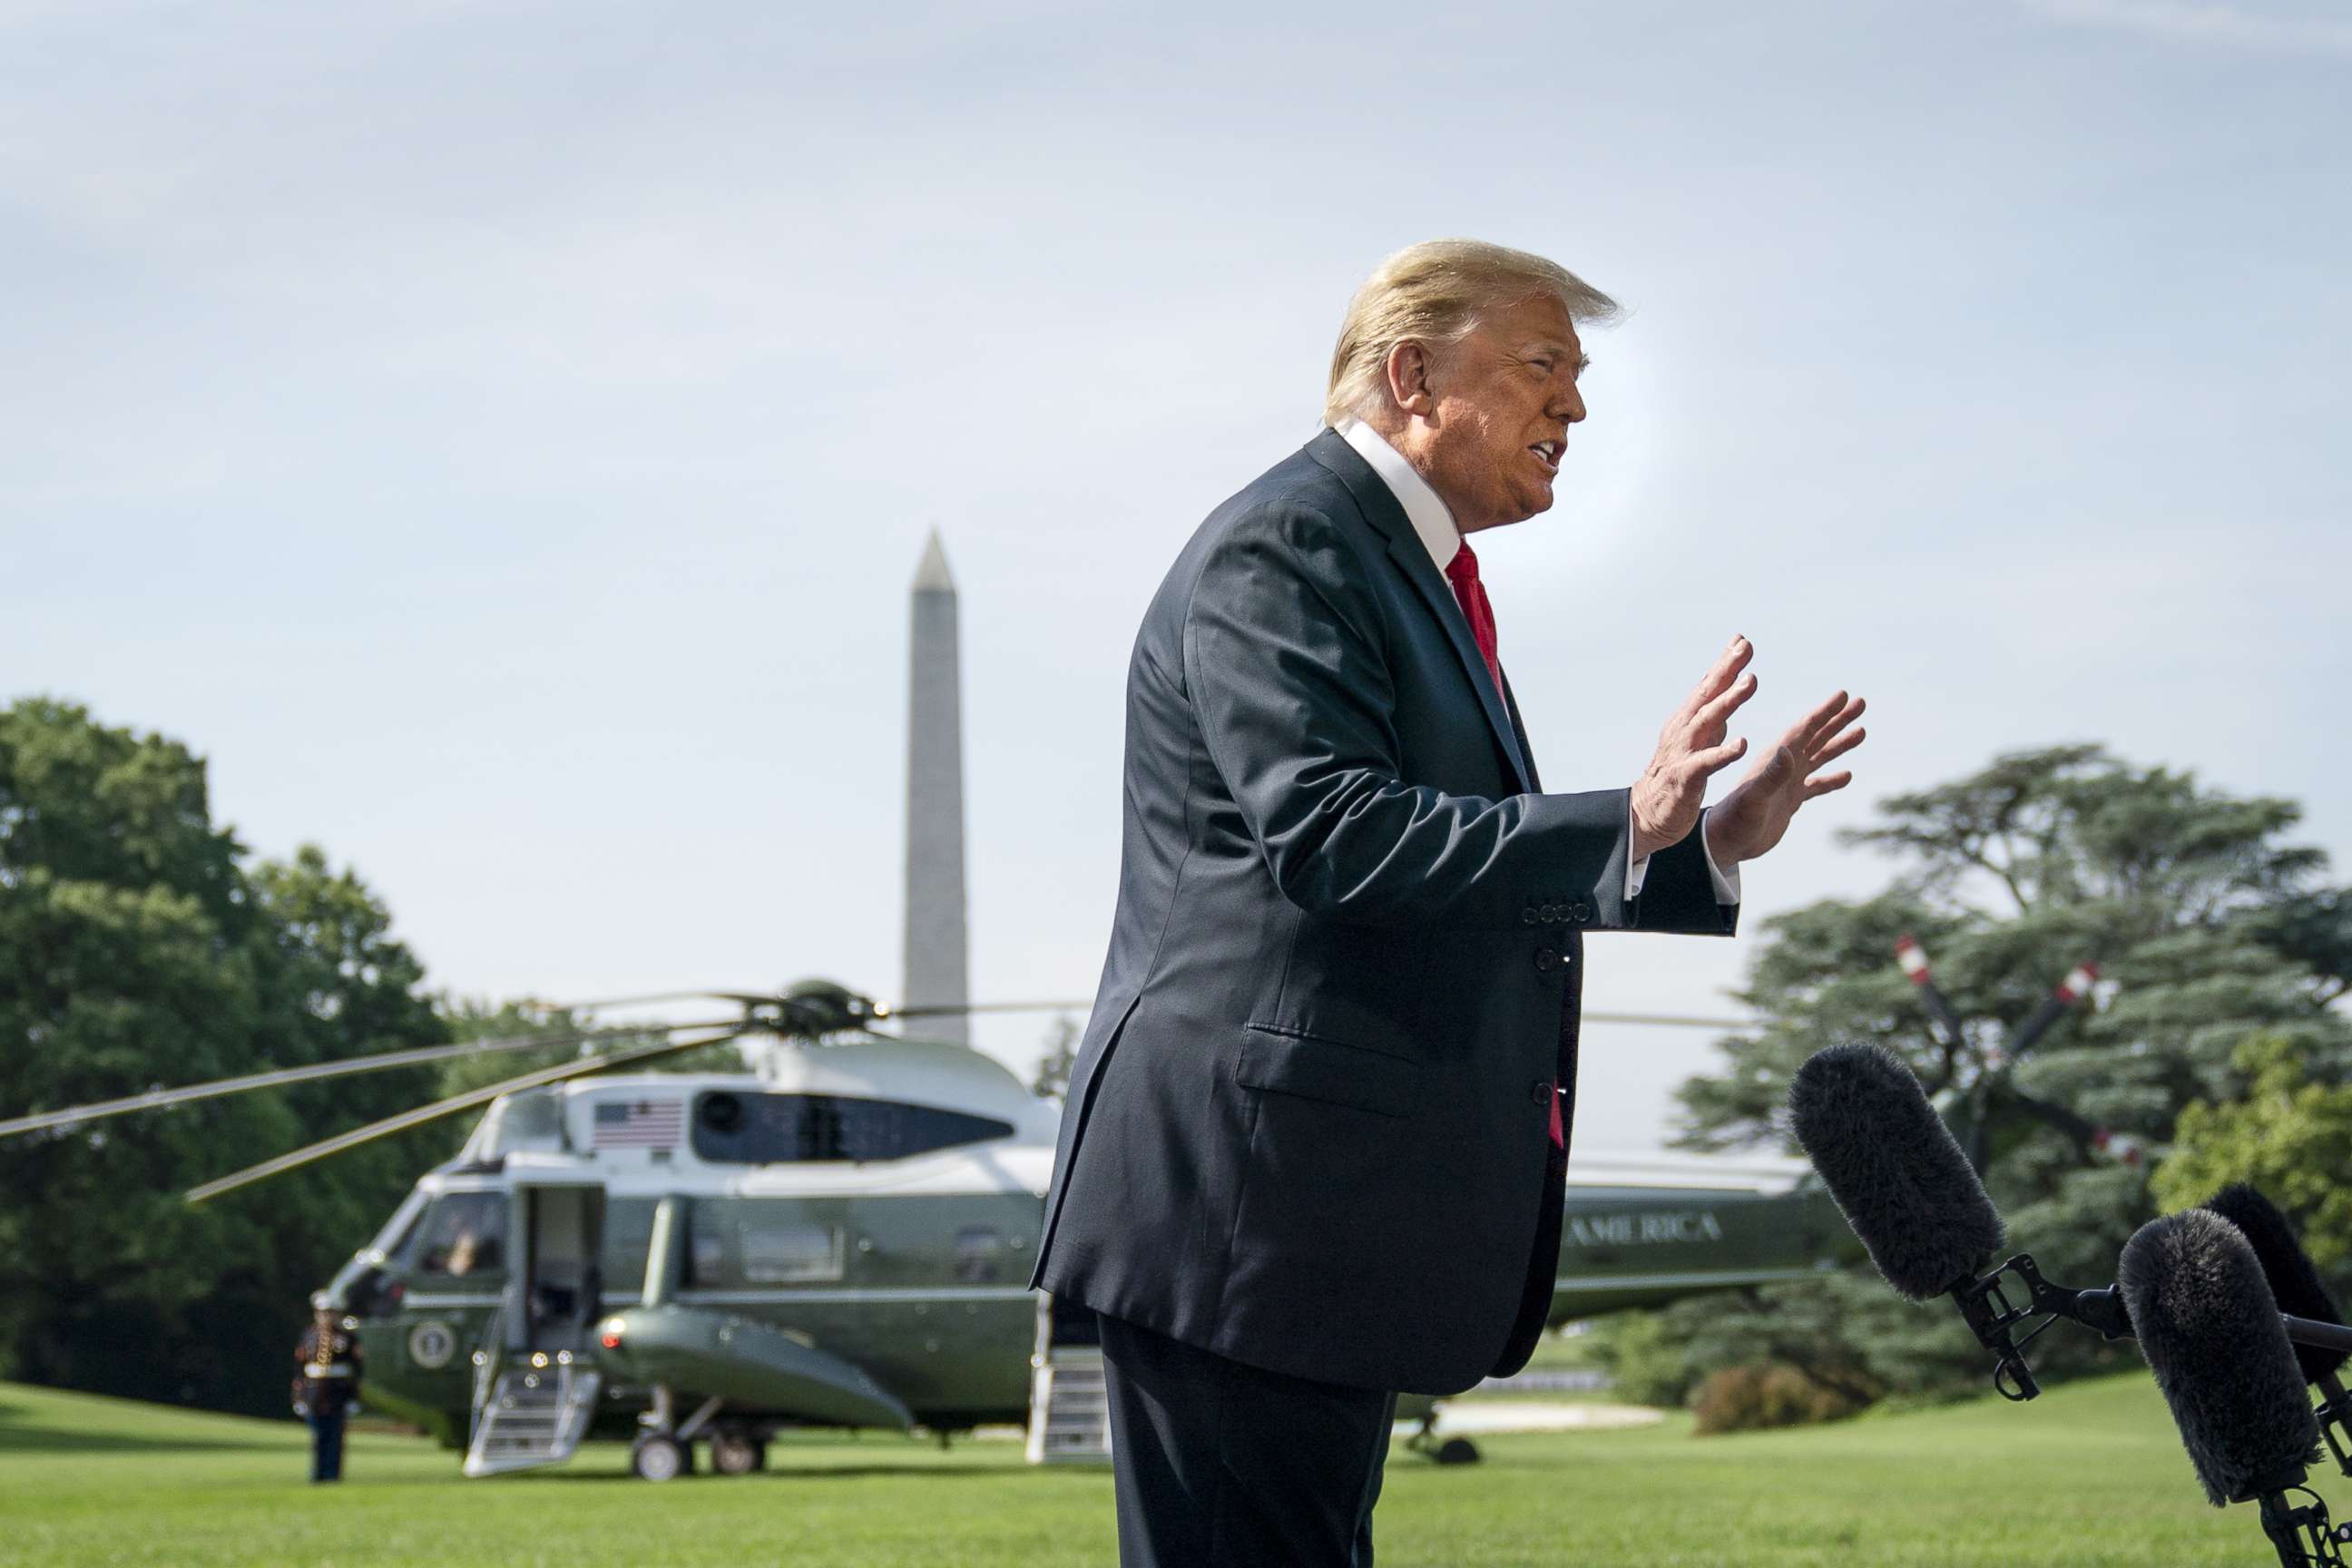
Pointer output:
x,y
529,1412
535,1379
533,1418
1069,1403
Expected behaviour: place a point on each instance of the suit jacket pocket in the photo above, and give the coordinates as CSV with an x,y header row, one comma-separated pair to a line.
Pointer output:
x,y
1318,1068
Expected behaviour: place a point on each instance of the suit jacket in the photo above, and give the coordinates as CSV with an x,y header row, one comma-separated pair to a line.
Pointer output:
x,y
1308,1125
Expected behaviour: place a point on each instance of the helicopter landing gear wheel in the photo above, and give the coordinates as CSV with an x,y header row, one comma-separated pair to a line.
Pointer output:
x,y
657,1456
737,1453
1456,1451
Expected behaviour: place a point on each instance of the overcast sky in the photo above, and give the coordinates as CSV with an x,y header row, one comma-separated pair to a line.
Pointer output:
x,y
499,437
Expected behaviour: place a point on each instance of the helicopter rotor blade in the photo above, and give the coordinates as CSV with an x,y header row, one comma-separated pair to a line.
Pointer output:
x,y
881,1009
958,1009
1659,1020
884,1011
2069,991
912,1041
746,997
1944,1023
1669,1020
155,1099
454,1103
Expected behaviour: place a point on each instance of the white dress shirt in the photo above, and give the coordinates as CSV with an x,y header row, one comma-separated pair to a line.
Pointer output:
x,y
1434,521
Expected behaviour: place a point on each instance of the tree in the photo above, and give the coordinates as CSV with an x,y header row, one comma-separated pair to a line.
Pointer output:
x,y
1053,1075
2211,929
2290,1136
137,950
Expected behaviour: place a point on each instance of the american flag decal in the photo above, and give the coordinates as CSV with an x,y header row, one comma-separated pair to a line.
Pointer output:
x,y
638,1123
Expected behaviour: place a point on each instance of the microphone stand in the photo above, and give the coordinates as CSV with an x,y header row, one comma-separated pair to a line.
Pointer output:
x,y
2301,1533
1990,1312
2104,1310
2334,1413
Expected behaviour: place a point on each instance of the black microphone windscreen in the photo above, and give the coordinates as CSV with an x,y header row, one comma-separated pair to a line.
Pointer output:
x,y
1891,1165
2293,1278
2210,1328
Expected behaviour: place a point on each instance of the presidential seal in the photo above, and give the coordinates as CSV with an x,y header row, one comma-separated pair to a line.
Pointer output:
x,y
431,1344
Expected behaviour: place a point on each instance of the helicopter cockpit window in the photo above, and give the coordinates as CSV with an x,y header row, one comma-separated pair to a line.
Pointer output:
x,y
462,1235
401,1228
735,1128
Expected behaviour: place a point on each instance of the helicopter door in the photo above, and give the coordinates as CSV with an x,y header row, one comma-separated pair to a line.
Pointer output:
x,y
558,1289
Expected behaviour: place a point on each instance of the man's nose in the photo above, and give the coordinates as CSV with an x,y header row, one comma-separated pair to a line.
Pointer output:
x,y
1569,406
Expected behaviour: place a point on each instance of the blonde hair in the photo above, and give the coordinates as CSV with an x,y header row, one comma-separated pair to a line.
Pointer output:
x,y
1435,292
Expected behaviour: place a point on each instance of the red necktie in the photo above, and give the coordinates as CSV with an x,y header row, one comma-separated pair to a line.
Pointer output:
x,y
1471,594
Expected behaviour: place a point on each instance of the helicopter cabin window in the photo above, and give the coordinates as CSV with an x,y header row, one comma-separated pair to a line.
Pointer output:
x,y
462,1236
734,1128
979,1254
779,1252
628,1235
753,1241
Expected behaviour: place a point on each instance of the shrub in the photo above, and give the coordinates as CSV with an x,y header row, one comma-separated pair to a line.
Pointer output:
x,y
1749,1398
1643,1366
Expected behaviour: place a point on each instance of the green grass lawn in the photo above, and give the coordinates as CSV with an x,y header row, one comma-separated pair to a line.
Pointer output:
x,y
2087,1474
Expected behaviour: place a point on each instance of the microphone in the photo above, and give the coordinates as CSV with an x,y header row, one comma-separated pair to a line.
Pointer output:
x,y
1893,1166
1911,1197
2296,1284
2212,1332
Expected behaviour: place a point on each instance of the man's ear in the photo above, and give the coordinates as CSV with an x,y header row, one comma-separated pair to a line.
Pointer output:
x,y
1408,379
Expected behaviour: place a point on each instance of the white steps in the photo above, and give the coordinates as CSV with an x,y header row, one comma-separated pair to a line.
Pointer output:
x,y
535,1416
1069,1403
1070,1410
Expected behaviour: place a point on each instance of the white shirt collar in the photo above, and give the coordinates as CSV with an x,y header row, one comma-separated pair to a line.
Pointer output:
x,y
1430,516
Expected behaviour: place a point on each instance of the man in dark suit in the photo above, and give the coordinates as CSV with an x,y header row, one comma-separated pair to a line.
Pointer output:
x,y
1317,1131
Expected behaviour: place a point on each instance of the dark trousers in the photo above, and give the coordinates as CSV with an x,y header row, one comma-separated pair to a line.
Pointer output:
x,y
326,1446
1219,1464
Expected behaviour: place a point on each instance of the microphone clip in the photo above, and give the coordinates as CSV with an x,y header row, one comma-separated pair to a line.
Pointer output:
x,y
2334,1414
2301,1535
1991,1313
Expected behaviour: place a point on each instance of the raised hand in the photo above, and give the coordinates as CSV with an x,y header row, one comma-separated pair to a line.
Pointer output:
x,y
1691,749
1756,812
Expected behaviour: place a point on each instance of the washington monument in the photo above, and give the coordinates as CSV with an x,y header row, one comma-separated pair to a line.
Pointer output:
x,y
934,950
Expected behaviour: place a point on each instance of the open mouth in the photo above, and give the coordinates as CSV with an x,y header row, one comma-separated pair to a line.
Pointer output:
x,y
1548,454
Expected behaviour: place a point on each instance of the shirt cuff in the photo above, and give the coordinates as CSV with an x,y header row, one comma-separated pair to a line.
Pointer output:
x,y
1726,882
1636,871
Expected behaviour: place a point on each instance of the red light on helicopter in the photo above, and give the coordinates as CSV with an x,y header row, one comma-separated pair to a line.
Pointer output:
x,y
610,1339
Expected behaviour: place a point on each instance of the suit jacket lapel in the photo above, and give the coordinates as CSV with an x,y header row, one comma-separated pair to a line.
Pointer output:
x,y
1519,729
1381,509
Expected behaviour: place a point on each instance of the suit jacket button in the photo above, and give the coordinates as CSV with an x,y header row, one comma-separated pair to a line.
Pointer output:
x,y
1546,960
1527,915
1540,1091
1582,912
